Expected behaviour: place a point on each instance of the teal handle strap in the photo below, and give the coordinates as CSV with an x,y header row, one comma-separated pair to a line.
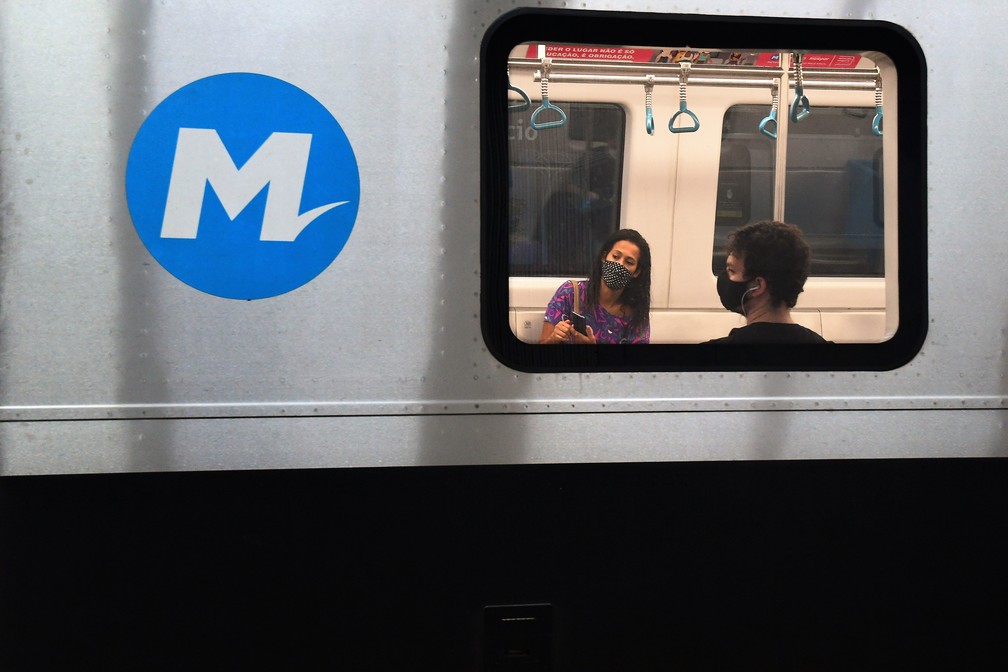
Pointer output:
x,y
876,124
765,125
683,76
684,129
800,105
546,104
648,101
771,119
525,103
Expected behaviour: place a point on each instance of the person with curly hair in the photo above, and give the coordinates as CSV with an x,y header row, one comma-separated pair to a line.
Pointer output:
x,y
768,263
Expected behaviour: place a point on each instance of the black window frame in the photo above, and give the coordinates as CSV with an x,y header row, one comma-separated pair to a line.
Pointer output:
x,y
750,33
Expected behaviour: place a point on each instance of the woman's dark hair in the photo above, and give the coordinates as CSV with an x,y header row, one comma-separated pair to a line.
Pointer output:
x,y
637,294
777,252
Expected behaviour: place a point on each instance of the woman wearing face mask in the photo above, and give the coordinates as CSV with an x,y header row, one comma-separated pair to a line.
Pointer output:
x,y
768,263
615,300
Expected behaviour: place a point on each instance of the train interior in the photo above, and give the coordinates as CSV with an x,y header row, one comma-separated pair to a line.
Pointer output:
x,y
685,145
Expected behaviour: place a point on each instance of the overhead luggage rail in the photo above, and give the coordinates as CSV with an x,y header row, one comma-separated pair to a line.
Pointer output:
x,y
570,71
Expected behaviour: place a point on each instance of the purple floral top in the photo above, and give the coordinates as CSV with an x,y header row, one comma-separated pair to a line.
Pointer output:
x,y
608,328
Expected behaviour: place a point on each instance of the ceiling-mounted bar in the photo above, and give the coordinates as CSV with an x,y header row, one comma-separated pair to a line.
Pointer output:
x,y
573,72
602,67
764,82
640,80
837,85
568,65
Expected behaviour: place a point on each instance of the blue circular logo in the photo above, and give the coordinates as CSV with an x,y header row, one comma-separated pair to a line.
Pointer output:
x,y
242,186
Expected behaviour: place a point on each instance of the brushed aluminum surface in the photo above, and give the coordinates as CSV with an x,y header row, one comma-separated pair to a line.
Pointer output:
x,y
108,363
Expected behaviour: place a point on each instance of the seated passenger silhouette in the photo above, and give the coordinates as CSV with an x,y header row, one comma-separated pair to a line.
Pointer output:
x,y
768,263
579,216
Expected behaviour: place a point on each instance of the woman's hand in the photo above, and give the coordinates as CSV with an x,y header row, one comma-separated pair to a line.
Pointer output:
x,y
582,339
562,331
552,334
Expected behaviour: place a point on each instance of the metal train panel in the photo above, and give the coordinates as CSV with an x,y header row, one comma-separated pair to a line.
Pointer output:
x,y
113,358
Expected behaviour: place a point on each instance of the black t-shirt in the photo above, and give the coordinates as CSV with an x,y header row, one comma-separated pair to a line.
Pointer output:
x,y
771,332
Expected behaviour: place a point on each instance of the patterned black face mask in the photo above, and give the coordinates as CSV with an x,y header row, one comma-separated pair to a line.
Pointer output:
x,y
615,275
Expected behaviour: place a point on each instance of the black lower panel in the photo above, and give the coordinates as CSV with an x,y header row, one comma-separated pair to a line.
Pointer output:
x,y
791,565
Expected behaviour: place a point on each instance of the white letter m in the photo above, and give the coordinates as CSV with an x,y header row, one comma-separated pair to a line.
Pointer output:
x,y
201,158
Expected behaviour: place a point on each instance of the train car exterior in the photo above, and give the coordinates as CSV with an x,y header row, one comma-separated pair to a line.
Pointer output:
x,y
338,317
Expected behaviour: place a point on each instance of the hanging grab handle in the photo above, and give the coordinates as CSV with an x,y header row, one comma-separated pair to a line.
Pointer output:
x,y
683,76
648,113
800,106
546,105
768,126
525,103
876,124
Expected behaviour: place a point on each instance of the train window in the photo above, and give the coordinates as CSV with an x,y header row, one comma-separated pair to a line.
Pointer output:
x,y
564,199
833,190
832,182
637,131
745,174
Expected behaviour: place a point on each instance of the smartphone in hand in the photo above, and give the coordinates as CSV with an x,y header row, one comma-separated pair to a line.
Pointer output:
x,y
579,323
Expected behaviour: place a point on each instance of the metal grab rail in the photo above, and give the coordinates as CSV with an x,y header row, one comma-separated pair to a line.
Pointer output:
x,y
564,71
570,71
766,81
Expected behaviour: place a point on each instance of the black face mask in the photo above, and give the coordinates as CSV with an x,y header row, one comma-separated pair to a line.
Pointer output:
x,y
732,293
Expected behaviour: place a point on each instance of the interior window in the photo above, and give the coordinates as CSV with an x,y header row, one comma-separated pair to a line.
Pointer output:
x,y
745,176
834,190
564,196
833,186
